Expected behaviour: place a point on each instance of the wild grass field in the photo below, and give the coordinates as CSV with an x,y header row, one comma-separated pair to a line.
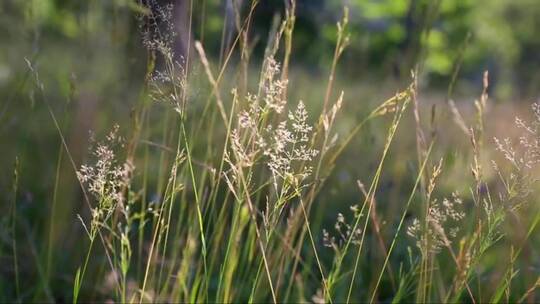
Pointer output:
x,y
174,152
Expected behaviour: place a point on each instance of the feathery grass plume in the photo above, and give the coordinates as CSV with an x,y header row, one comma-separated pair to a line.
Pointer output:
x,y
156,28
169,83
428,231
168,86
524,159
443,225
344,231
273,87
282,146
518,176
523,156
263,139
108,179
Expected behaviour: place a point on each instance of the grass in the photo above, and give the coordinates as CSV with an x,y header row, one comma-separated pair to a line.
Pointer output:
x,y
223,190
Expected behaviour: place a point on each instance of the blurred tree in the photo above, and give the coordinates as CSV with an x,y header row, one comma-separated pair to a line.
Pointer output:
x,y
388,36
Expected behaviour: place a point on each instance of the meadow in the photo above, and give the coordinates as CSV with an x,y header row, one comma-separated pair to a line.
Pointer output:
x,y
138,171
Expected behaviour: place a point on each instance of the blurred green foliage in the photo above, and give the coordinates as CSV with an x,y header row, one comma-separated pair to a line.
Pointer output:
x,y
94,45
389,37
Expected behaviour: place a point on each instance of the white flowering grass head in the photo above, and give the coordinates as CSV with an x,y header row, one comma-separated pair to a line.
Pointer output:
x,y
168,82
523,156
282,145
443,224
107,176
169,86
344,231
157,28
273,87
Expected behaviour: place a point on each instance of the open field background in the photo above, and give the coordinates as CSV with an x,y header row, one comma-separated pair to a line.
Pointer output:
x,y
269,151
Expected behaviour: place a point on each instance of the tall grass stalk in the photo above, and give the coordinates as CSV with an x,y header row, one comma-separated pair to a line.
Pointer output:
x,y
13,225
402,219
